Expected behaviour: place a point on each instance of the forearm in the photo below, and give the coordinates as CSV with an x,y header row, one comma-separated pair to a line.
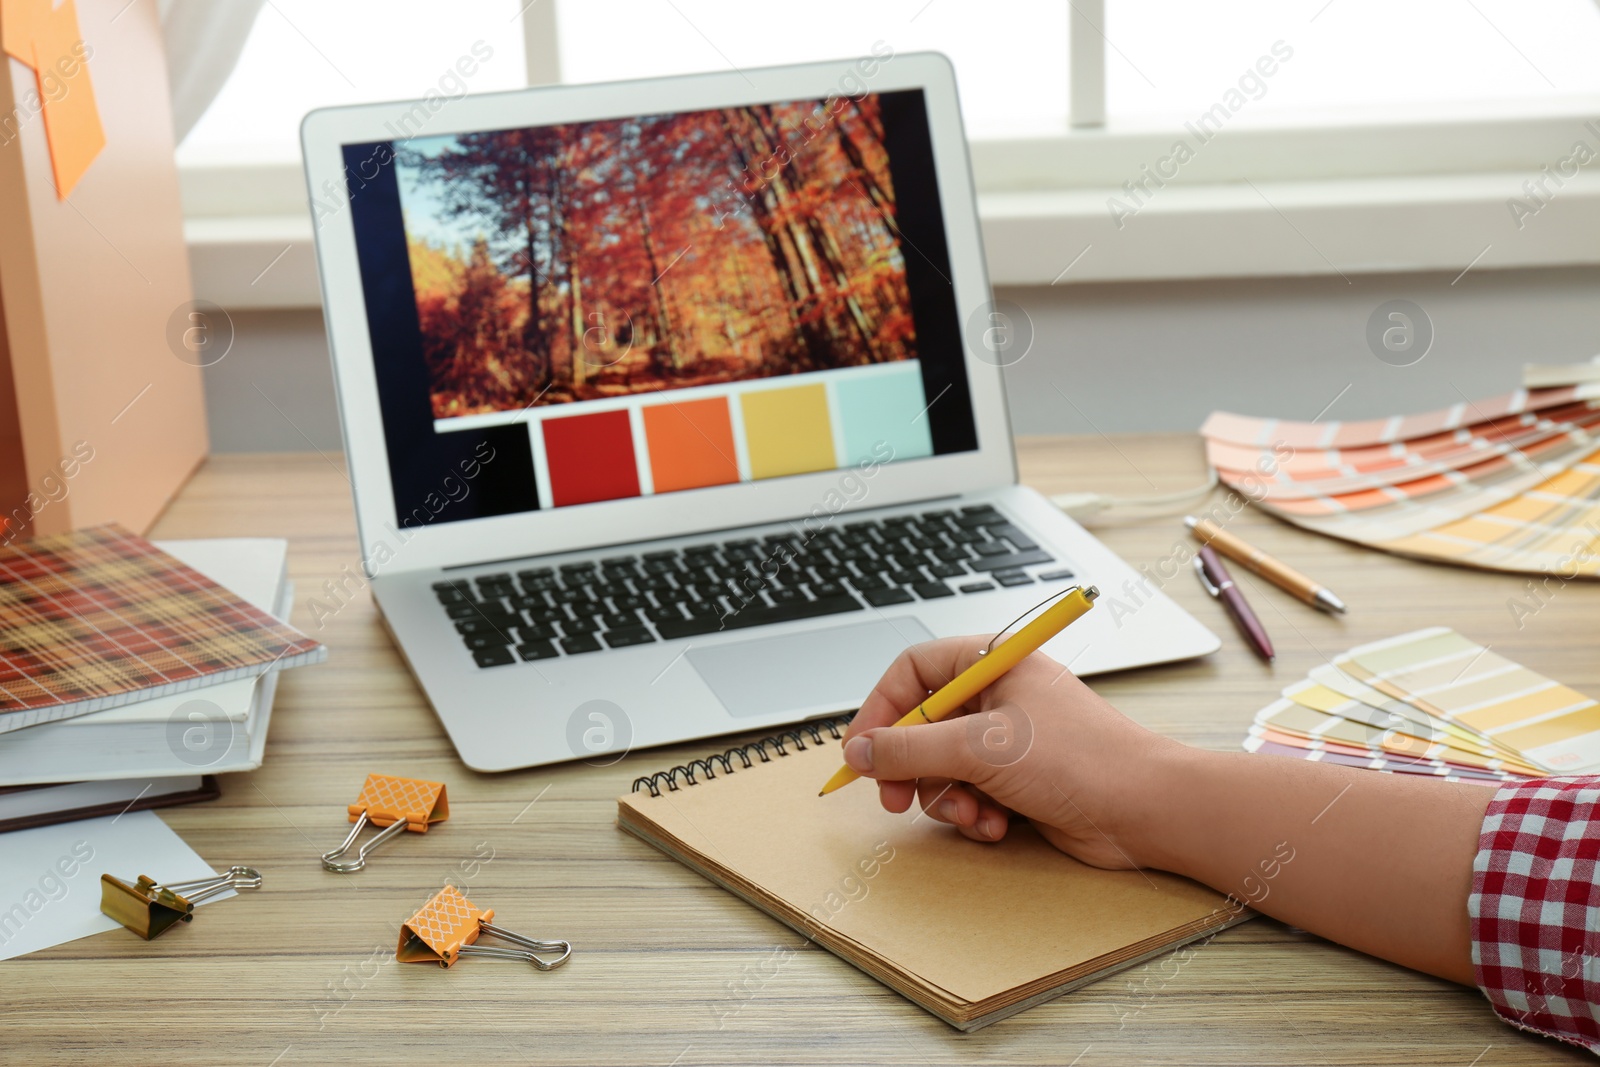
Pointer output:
x,y
1379,862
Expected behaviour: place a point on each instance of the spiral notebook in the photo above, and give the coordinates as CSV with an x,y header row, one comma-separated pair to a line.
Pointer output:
x,y
969,931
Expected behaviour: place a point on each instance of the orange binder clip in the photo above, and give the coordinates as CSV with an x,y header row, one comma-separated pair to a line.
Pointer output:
x,y
448,925
398,804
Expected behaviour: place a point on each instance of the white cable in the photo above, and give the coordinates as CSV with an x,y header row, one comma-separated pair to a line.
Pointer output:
x,y
1080,505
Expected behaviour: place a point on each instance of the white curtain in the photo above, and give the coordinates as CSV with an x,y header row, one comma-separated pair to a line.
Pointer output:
x,y
203,39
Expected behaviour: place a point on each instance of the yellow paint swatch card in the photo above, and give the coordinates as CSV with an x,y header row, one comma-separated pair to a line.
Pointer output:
x,y
1332,690
1305,721
1454,678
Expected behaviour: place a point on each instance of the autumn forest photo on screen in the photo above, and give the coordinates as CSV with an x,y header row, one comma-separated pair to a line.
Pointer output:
x,y
600,259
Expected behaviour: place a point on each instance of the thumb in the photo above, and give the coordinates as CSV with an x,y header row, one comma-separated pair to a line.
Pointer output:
x,y
902,753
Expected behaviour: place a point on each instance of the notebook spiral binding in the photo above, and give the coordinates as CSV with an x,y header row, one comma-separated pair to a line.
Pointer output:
x,y
708,765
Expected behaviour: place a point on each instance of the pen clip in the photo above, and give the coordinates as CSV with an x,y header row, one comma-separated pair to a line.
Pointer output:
x,y
1090,591
1205,579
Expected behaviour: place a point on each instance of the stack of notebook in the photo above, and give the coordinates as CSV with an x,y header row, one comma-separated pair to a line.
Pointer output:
x,y
972,932
1507,483
132,673
1433,702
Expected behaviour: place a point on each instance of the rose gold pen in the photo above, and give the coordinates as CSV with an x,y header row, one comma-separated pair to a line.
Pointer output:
x,y
1253,559
1219,583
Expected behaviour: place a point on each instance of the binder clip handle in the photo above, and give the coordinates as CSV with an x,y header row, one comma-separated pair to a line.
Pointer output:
x,y
199,889
333,861
530,948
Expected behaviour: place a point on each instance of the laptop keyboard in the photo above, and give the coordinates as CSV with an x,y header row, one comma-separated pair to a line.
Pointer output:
x,y
620,601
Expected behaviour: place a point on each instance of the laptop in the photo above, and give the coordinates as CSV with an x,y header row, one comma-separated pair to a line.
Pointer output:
x,y
674,408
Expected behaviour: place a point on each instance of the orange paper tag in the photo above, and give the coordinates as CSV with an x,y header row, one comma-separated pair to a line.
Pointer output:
x,y
437,931
71,118
18,19
386,801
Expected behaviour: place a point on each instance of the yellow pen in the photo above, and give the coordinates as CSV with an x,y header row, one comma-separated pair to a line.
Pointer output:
x,y
1071,607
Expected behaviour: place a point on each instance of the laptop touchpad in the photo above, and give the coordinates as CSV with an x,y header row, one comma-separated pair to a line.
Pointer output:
x,y
838,666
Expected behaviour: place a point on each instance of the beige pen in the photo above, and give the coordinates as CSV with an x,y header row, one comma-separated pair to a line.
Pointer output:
x,y
1253,559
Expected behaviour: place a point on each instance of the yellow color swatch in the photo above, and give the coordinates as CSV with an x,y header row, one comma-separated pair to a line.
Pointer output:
x,y
787,431
1571,483
1585,720
1522,509
1512,708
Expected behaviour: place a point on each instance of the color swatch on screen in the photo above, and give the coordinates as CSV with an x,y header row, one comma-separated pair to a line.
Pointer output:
x,y
590,458
787,431
690,444
884,415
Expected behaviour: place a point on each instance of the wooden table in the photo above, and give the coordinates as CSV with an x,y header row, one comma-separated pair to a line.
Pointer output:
x,y
669,969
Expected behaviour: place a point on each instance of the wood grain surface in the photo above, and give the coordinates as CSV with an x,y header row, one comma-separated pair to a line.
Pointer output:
x,y
669,969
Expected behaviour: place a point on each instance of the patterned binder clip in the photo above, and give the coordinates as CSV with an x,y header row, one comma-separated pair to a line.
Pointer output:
x,y
446,927
396,803
150,910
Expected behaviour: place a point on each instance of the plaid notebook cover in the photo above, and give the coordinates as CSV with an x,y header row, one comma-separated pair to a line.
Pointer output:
x,y
101,617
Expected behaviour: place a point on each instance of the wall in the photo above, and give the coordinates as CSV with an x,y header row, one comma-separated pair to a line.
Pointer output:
x,y
1160,356
273,392
1113,357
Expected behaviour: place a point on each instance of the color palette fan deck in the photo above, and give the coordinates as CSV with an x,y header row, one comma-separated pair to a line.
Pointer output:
x,y
1436,703
1509,483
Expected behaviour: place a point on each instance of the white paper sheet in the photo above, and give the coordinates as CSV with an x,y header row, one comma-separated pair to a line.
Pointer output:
x,y
50,876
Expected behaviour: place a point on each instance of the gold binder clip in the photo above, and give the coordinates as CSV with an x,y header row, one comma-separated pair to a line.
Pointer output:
x,y
398,804
150,910
446,927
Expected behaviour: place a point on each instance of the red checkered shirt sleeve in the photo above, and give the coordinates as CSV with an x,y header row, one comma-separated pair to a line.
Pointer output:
x,y
1535,908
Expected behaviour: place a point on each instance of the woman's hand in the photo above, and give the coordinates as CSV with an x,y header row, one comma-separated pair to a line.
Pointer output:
x,y
1379,862
1038,743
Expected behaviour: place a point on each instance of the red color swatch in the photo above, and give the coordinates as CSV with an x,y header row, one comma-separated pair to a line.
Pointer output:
x,y
590,458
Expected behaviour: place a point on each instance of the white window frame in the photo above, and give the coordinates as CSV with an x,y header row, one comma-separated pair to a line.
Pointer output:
x,y
1357,193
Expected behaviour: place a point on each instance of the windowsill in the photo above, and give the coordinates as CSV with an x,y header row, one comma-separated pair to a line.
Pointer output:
x,y
1232,230
1222,230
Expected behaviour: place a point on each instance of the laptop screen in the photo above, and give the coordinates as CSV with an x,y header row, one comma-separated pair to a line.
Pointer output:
x,y
672,303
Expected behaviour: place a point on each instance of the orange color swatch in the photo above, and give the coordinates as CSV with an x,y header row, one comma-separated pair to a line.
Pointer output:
x,y
691,444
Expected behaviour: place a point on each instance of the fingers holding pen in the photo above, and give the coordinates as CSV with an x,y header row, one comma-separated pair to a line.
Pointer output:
x,y
965,807
931,765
